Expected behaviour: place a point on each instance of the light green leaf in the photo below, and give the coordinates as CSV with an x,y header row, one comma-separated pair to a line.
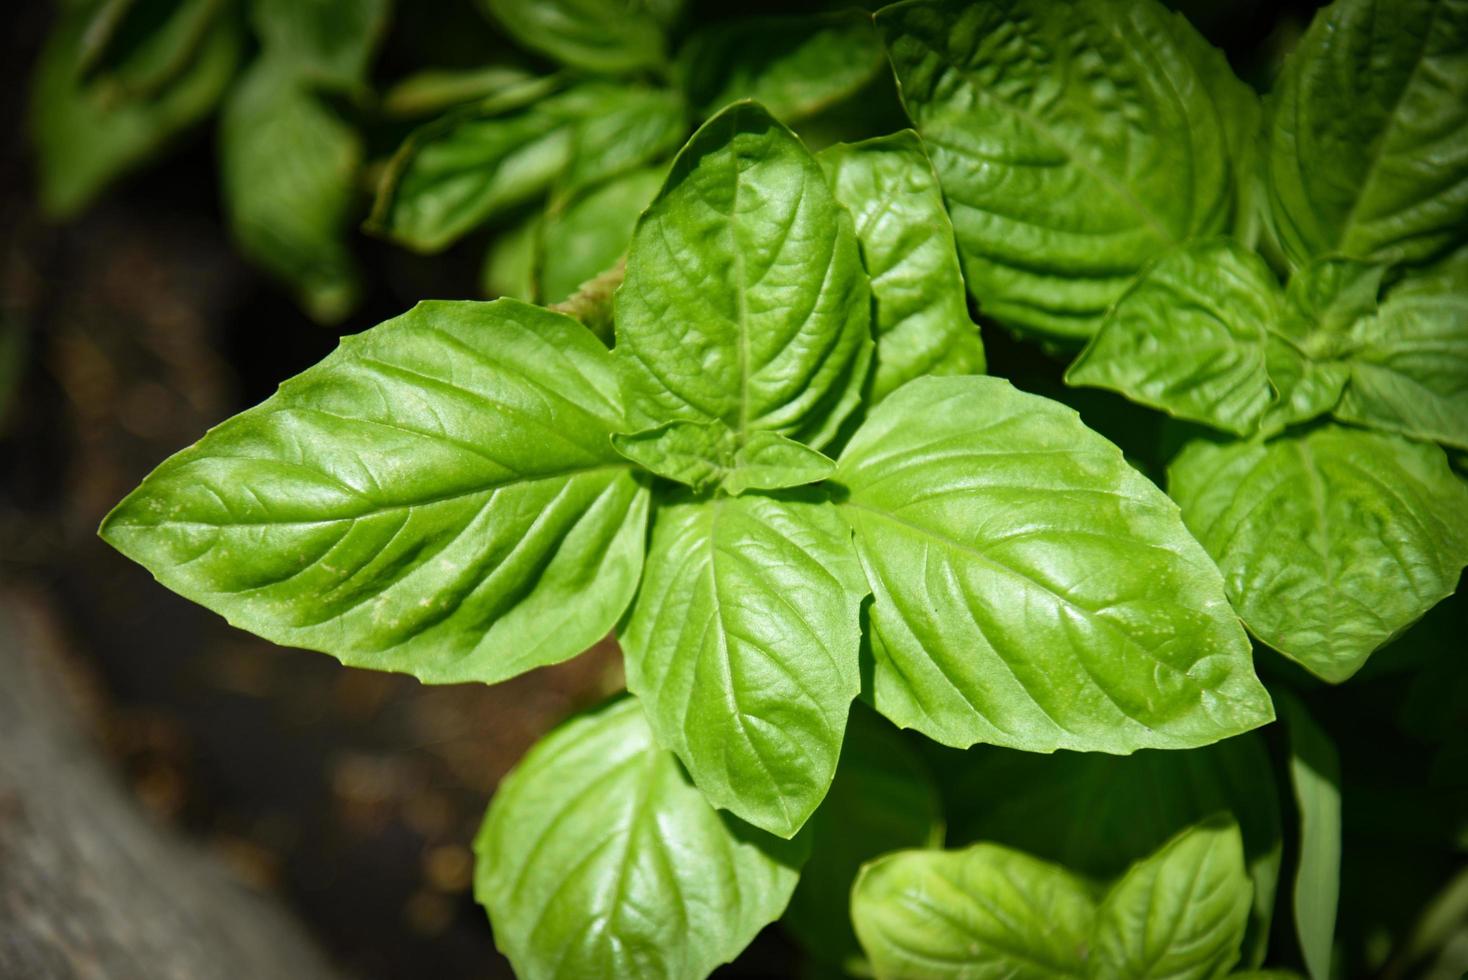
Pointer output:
x,y
1315,774
472,164
708,454
586,235
1075,142
1180,914
1032,589
1409,365
289,169
607,36
743,645
133,49
1331,541
1190,337
976,914
745,299
326,43
769,461
1368,133
883,799
1132,804
439,496
509,262
793,66
922,324
694,453
598,859
83,142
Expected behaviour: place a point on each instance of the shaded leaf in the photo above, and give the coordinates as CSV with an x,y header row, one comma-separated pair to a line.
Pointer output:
x,y
587,235
597,35
1315,773
326,43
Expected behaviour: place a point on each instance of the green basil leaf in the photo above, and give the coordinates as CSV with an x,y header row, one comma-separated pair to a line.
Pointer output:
x,y
1132,804
745,299
327,43
984,912
1326,298
84,141
598,859
289,168
434,90
588,234
694,453
1409,366
598,35
1032,589
708,454
769,461
922,324
1331,541
1180,913
1061,187
1368,133
472,164
793,66
1315,774
439,496
1190,337
1265,975
133,49
509,262
743,644
882,799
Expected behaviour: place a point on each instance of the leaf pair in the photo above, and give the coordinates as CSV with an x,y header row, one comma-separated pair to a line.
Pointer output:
x,y
989,911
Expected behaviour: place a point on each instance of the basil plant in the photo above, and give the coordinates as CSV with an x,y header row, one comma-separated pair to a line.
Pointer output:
x,y
761,450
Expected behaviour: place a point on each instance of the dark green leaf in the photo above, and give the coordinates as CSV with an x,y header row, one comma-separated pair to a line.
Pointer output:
x,y
289,168
922,324
597,35
1132,804
1315,773
1180,914
883,799
1331,541
133,49
1368,133
475,163
985,913
509,263
327,43
439,496
1074,141
587,235
745,299
793,66
598,859
1031,588
83,143
743,645
435,89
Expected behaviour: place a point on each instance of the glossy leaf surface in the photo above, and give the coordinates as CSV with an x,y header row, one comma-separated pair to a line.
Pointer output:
x,y
598,859
439,496
1331,541
745,300
1179,914
1032,589
921,319
743,646
1368,133
1074,141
